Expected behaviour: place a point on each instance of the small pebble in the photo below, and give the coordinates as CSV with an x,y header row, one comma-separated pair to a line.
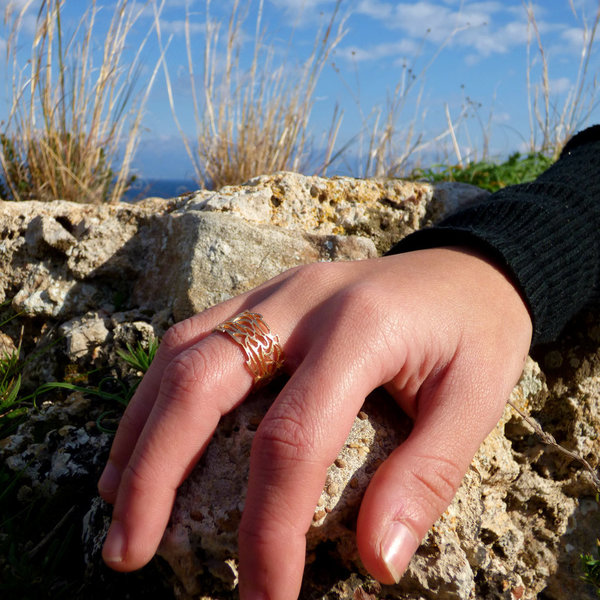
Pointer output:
x,y
196,515
319,515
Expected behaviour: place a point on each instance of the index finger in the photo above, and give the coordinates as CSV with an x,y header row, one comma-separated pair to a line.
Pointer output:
x,y
177,340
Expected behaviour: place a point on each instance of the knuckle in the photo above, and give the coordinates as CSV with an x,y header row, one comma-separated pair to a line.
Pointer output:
x,y
436,480
361,299
129,429
177,335
137,479
311,275
185,371
361,303
285,437
260,539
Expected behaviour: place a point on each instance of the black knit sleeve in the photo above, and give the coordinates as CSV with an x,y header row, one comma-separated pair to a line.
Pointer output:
x,y
545,234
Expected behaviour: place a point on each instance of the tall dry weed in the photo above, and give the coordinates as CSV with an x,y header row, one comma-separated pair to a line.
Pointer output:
x,y
74,123
552,122
254,119
395,144
392,137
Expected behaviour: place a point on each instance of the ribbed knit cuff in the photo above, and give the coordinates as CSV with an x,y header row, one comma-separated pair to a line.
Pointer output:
x,y
545,235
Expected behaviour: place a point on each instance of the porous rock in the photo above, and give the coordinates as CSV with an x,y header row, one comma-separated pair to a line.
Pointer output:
x,y
58,449
385,210
501,537
203,530
100,277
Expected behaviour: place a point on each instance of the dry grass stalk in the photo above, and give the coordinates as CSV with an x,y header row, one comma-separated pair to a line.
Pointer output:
x,y
393,148
549,439
556,123
253,120
72,120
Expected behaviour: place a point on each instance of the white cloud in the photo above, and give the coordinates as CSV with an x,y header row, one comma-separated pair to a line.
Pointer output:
x,y
28,20
298,6
375,9
483,28
404,47
500,117
485,40
575,38
177,27
306,12
15,5
560,85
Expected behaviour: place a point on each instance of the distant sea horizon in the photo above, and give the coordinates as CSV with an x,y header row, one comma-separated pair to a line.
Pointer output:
x,y
159,188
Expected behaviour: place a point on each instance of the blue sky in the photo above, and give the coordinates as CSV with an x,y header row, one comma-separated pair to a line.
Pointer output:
x,y
469,58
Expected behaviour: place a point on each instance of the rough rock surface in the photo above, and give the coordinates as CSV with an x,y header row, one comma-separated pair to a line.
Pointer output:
x,y
503,536
88,280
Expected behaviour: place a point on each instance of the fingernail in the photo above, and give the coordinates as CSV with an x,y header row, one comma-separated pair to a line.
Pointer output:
x,y
109,480
397,546
114,545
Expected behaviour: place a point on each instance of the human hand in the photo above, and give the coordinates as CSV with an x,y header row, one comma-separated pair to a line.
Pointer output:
x,y
443,329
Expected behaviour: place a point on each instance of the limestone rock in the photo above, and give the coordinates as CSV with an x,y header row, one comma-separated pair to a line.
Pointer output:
x,y
205,519
501,538
7,345
219,256
84,335
384,210
58,448
90,279
62,259
44,232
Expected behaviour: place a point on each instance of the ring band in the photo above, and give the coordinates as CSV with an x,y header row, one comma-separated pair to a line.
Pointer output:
x,y
262,349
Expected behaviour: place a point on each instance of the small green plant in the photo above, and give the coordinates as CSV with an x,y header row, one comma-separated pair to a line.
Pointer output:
x,y
11,409
591,568
110,388
139,357
489,175
40,536
12,406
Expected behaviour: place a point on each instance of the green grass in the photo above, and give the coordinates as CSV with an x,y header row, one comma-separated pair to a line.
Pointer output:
x,y
489,175
591,568
11,409
138,357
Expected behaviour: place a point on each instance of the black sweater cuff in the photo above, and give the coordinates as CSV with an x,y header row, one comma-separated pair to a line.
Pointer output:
x,y
545,235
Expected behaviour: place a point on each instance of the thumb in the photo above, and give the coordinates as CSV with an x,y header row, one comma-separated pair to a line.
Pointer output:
x,y
417,482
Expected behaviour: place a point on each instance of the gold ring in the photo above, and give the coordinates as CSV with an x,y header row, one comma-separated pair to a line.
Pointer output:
x,y
262,349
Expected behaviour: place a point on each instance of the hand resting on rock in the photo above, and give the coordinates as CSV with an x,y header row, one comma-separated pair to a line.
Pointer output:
x,y
444,330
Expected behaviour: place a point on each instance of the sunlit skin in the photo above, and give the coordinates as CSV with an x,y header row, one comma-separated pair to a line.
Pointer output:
x,y
444,330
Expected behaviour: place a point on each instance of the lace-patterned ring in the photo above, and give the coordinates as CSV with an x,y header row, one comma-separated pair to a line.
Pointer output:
x,y
262,349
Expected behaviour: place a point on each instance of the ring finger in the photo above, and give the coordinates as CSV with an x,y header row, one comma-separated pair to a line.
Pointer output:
x,y
198,386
